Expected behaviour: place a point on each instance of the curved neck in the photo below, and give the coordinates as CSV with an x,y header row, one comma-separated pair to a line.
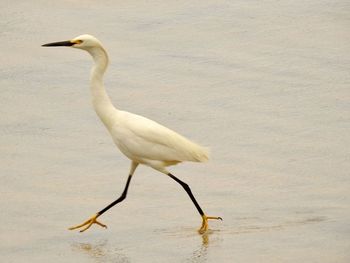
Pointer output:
x,y
99,94
100,99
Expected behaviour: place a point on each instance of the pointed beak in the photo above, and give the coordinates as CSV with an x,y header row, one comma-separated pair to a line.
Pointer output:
x,y
68,43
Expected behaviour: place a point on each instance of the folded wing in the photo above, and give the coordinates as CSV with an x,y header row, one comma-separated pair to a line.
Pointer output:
x,y
144,138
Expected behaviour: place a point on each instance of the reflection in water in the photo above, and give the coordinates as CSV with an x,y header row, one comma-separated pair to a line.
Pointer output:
x,y
195,248
205,239
100,252
202,242
201,253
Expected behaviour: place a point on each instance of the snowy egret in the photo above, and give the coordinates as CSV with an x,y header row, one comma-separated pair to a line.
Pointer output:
x,y
142,140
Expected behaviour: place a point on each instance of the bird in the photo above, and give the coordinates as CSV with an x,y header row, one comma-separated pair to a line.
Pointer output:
x,y
142,140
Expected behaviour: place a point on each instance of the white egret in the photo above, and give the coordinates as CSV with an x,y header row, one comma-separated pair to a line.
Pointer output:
x,y
142,140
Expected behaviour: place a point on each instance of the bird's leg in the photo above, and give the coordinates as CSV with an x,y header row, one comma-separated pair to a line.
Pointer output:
x,y
205,218
93,219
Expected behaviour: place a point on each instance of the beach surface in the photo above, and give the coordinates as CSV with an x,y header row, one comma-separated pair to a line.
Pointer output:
x,y
263,84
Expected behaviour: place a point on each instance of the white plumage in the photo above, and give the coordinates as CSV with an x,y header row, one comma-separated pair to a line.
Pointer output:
x,y
142,140
147,142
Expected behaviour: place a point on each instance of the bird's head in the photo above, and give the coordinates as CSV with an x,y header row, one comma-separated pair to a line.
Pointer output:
x,y
85,42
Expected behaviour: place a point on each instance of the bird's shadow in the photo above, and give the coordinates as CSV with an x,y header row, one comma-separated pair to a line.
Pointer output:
x,y
200,254
201,247
100,252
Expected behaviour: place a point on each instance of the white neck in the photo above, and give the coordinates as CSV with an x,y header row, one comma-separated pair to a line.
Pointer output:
x,y
100,100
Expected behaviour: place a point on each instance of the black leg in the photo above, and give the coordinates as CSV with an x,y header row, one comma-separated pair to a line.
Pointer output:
x,y
120,199
188,190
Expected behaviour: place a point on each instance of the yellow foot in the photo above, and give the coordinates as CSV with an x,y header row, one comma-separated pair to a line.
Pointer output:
x,y
205,226
88,223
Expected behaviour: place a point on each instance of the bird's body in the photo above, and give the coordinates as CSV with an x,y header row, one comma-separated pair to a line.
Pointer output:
x,y
142,140
147,142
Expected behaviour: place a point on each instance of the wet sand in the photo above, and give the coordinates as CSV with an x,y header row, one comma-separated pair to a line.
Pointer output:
x,y
265,85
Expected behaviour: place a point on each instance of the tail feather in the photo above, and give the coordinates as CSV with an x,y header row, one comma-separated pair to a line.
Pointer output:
x,y
200,154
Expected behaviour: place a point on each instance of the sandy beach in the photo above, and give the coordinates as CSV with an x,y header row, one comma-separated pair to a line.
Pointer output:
x,y
263,84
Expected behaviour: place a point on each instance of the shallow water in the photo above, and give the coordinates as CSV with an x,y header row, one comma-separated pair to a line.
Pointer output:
x,y
264,84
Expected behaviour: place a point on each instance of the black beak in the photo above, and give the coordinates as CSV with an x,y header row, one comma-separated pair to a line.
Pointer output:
x,y
59,44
